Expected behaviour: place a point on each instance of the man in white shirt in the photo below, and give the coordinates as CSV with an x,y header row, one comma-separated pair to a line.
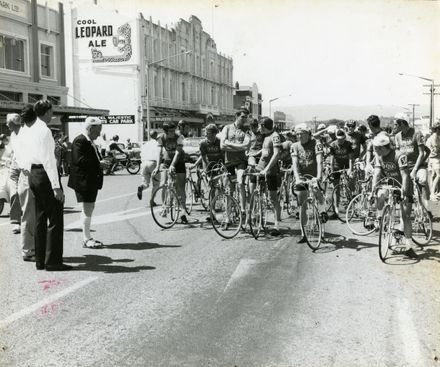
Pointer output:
x,y
45,184
149,153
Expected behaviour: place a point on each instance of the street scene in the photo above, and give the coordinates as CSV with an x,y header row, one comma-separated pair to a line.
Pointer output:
x,y
219,183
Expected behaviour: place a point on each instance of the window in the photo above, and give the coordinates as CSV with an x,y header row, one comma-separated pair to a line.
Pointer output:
x,y
11,53
10,96
54,100
46,61
183,92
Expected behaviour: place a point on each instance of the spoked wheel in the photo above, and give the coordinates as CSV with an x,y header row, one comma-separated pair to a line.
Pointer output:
x,y
344,199
204,193
133,167
360,216
421,224
257,217
167,209
284,198
386,233
225,215
327,189
189,193
311,225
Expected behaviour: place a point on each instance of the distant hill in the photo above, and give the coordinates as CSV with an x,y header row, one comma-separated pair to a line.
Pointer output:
x,y
343,112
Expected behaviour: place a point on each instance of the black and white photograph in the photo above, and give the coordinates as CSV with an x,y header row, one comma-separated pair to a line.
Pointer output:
x,y
219,183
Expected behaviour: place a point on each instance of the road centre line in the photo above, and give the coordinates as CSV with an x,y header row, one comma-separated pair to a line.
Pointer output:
x,y
52,298
408,334
110,199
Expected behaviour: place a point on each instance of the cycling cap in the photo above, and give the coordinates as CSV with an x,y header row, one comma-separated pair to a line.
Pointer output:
x,y
212,128
302,127
332,129
321,127
340,134
381,140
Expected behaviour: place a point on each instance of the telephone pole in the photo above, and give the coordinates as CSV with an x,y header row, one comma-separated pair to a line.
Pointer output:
x,y
413,111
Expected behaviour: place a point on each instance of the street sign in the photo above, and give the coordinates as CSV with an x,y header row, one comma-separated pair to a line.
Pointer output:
x,y
118,119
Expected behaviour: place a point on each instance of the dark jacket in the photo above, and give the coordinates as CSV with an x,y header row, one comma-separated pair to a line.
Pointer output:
x,y
85,172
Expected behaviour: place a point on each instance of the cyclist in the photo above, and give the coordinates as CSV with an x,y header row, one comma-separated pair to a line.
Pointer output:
x,y
113,149
389,164
172,158
412,143
357,140
235,141
341,157
183,128
307,156
268,167
374,125
255,149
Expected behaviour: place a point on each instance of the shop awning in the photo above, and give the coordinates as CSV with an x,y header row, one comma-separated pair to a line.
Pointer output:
x,y
12,106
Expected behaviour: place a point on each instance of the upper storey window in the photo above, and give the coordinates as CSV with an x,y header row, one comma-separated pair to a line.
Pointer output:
x,y
12,53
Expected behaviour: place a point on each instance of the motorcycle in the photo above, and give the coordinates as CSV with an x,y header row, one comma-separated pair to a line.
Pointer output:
x,y
111,164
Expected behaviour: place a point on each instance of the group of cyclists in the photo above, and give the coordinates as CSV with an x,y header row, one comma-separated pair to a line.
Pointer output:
x,y
254,145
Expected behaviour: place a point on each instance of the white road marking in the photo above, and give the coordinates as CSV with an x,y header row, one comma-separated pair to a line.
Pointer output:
x,y
242,269
408,334
110,199
112,217
52,298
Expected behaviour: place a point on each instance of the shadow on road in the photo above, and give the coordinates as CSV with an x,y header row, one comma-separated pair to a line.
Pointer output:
x,y
430,254
104,264
137,246
76,230
334,242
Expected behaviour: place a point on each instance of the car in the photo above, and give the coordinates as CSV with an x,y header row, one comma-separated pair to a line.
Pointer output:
x,y
191,147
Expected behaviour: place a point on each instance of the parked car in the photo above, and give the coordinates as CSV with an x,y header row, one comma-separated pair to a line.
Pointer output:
x,y
191,148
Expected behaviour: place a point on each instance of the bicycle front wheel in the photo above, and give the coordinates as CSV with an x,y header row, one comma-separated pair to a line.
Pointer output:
x,y
225,215
341,198
386,232
311,225
256,214
421,224
166,211
360,217
189,193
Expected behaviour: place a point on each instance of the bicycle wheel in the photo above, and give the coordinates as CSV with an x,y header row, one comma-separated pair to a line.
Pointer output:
x,y
225,215
255,214
421,224
311,225
360,216
327,189
344,199
204,193
189,193
283,198
133,167
386,232
167,209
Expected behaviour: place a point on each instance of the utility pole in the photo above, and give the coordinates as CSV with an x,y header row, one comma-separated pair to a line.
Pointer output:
x,y
413,112
431,105
314,122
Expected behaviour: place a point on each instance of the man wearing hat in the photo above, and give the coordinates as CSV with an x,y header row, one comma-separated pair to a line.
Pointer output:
x,y
389,164
86,176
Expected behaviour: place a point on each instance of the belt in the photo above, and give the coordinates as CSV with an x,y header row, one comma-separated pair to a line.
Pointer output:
x,y
37,166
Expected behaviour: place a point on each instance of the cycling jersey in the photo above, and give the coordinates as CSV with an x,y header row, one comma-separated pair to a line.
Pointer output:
x,y
392,164
285,156
212,150
341,154
256,143
409,144
306,155
234,135
356,140
270,142
170,147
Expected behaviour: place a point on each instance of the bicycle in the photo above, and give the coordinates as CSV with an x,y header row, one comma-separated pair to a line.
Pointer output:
x,y
312,225
166,209
420,219
259,206
286,196
133,166
225,212
341,195
196,190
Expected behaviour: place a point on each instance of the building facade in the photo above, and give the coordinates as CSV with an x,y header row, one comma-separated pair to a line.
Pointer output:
x,y
32,61
249,98
147,74
279,119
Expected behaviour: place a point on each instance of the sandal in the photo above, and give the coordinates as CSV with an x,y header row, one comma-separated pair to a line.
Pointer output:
x,y
91,243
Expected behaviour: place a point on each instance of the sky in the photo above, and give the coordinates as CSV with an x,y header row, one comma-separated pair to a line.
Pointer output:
x,y
346,52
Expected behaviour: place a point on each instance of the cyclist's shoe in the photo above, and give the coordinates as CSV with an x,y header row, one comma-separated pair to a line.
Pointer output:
x,y
275,232
139,192
303,239
324,217
183,219
411,253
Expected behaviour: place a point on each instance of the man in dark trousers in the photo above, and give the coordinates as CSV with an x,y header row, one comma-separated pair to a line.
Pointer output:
x,y
86,175
45,183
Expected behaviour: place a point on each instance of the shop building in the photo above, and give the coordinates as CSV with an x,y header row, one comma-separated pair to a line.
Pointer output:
x,y
279,119
32,61
249,98
135,67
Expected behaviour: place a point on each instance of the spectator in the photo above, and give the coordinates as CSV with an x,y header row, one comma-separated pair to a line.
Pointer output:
x,y
45,184
67,155
86,176
433,143
149,154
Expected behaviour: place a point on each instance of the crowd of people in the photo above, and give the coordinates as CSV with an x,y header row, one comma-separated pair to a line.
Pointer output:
x,y
37,197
